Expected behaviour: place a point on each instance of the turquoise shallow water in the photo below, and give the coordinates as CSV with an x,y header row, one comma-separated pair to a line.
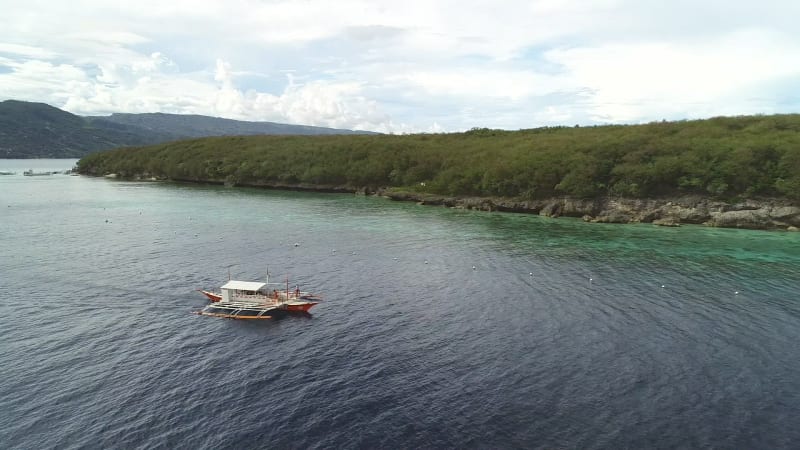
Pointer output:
x,y
560,336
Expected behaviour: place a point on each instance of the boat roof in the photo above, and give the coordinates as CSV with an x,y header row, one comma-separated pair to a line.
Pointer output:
x,y
243,285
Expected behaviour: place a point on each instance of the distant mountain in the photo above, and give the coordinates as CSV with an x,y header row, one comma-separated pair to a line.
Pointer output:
x,y
192,126
38,130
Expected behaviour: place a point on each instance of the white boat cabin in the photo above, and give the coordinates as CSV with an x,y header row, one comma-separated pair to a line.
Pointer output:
x,y
239,290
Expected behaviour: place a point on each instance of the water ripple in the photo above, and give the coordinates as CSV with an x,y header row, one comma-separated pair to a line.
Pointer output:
x,y
440,328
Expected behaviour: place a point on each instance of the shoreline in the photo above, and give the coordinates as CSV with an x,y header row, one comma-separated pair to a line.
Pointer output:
x,y
755,213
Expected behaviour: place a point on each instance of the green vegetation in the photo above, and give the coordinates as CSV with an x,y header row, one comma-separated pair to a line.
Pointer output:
x,y
719,157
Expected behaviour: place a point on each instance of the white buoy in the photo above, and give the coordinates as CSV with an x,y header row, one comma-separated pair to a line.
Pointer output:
x,y
662,286
426,261
296,244
474,268
530,274
736,293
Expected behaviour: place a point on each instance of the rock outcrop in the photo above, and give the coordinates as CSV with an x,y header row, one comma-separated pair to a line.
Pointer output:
x,y
763,214
763,217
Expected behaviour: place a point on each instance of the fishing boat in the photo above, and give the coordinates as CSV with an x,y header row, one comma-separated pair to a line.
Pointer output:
x,y
31,173
3,172
257,300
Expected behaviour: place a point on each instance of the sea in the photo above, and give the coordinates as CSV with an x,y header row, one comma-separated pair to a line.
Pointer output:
x,y
439,328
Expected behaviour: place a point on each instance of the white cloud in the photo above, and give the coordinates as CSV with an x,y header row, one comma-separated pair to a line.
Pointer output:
x,y
632,81
418,65
466,83
143,87
25,51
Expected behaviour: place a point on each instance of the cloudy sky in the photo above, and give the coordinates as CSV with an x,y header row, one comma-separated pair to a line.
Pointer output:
x,y
406,66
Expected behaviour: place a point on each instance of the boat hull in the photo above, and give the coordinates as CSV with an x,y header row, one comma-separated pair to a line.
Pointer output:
x,y
211,295
298,307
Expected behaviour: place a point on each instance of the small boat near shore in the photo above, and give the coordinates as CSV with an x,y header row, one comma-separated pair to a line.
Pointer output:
x,y
3,172
256,300
31,173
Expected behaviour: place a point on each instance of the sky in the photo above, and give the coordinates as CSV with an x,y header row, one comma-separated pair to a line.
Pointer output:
x,y
406,66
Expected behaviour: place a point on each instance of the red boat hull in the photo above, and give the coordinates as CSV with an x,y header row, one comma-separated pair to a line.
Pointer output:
x,y
211,296
300,308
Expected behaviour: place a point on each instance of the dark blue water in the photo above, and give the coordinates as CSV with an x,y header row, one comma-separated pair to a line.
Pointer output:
x,y
562,335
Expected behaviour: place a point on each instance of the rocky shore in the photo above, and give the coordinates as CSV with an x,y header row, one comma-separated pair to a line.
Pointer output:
x,y
759,214
756,214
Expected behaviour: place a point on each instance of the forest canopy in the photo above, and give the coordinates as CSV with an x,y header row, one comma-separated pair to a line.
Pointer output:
x,y
722,157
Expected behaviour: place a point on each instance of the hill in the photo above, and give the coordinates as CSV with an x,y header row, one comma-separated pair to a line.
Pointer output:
x,y
725,157
191,126
38,130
